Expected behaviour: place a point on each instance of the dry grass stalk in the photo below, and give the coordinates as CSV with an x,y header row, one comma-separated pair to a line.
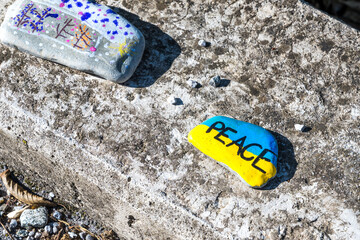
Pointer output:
x,y
6,230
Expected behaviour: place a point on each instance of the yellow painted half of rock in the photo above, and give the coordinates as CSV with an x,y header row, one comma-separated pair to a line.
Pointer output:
x,y
206,143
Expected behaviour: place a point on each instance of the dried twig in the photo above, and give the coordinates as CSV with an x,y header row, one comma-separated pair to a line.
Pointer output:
x,y
6,230
77,227
59,234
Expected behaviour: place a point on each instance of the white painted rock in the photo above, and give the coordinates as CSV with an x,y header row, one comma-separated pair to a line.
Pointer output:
x,y
77,33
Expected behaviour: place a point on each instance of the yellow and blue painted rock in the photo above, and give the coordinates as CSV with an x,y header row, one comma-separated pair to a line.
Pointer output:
x,y
247,149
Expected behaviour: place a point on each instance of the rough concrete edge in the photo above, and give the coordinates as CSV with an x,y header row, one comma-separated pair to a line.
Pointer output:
x,y
83,181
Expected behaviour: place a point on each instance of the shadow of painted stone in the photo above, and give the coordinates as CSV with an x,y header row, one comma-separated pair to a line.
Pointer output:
x,y
160,52
286,166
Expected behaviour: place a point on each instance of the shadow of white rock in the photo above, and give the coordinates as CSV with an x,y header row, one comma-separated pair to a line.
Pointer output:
x,y
80,34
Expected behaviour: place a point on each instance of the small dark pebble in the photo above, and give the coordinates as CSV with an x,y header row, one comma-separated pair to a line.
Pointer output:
x,y
22,233
57,215
215,81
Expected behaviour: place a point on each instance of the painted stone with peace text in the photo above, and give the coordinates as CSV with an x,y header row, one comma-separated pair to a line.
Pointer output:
x,y
248,150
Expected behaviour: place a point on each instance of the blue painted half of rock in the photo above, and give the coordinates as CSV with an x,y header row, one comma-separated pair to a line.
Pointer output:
x,y
253,133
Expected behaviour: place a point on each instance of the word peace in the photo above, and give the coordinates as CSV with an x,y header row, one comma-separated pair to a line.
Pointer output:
x,y
220,126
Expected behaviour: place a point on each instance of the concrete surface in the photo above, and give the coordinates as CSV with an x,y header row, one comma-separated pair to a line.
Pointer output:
x,y
120,151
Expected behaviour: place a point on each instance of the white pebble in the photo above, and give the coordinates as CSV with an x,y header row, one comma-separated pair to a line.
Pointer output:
x,y
57,215
72,235
48,229
37,235
32,233
215,81
172,100
299,127
202,43
51,196
193,84
82,235
89,237
175,101
55,229
13,223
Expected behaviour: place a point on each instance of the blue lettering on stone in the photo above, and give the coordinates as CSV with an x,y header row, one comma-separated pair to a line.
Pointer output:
x,y
85,16
53,15
104,20
109,11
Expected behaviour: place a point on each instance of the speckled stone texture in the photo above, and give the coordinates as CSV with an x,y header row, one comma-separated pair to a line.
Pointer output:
x,y
34,218
120,151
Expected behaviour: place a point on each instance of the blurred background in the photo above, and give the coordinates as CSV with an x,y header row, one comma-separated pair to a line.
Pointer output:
x,y
345,10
